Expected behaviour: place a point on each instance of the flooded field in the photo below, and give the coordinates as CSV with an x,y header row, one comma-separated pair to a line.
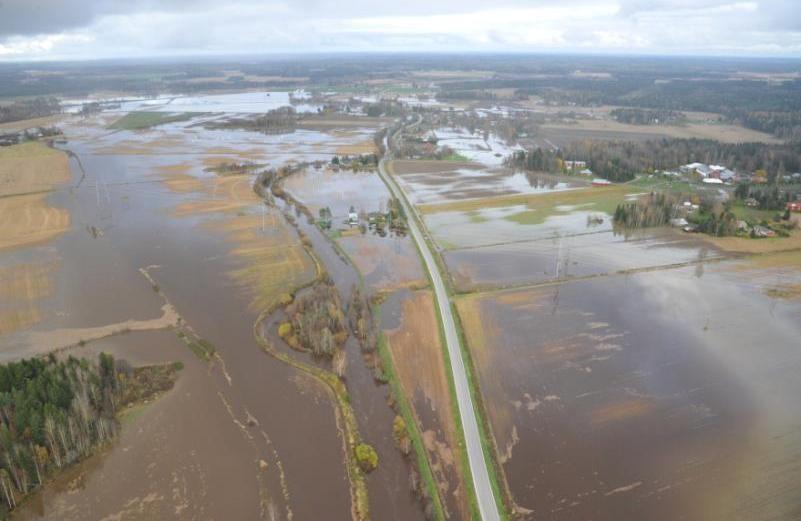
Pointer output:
x,y
385,262
579,255
556,234
237,103
486,149
431,182
676,402
154,240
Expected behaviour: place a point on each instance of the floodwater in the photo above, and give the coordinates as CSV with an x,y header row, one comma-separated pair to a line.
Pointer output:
x,y
489,150
441,182
664,395
384,262
388,485
237,103
169,462
580,255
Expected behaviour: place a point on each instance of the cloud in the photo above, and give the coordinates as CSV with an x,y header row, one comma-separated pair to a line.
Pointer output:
x,y
112,28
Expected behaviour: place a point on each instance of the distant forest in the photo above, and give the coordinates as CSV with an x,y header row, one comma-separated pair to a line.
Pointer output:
x,y
26,109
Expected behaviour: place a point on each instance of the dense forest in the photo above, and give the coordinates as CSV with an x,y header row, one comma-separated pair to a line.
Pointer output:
x,y
56,412
621,161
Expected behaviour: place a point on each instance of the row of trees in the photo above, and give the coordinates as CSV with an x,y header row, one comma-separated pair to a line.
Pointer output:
x,y
282,120
655,209
769,197
27,109
637,116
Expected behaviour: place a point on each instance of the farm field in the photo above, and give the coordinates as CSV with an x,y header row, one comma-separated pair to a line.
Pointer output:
x,y
587,390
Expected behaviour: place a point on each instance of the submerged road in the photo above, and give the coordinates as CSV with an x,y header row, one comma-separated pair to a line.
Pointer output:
x,y
487,506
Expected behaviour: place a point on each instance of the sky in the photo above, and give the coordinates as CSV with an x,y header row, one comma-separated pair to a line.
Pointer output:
x,y
98,29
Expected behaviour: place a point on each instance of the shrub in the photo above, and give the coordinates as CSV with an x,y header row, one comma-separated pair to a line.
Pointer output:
x,y
285,329
366,457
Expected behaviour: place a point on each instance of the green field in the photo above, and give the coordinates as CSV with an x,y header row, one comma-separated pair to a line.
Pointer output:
x,y
142,120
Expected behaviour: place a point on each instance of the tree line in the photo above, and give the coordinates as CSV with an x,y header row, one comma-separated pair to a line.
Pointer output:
x,y
636,116
622,160
28,109
769,197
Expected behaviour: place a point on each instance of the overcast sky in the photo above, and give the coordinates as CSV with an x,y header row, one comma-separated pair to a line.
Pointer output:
x,y
56,29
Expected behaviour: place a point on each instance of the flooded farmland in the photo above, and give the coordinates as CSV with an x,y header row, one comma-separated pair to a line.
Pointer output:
x,y
429,182
155,242
660,395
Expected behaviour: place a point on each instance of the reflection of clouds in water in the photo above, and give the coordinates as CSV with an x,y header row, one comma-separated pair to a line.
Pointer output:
x,y
747,333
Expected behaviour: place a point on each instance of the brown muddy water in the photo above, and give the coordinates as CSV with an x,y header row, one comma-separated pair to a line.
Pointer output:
x,y
663,395
389,484
196,452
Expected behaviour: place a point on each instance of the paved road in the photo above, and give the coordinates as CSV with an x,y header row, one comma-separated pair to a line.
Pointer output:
x,y
487,506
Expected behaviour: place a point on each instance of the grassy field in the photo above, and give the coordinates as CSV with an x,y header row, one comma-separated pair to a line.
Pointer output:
x,y
456,156
142,120
754,214
662,183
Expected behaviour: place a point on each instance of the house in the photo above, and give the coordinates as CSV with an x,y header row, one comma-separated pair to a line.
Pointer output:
x,y
726,175
701,169
586,172
679,222
353,216
573,165
794,206
751,203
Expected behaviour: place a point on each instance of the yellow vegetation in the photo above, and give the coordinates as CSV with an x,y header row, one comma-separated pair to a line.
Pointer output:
x,y
27,173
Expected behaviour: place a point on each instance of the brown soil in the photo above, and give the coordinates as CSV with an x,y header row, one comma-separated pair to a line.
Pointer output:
x,y
418,358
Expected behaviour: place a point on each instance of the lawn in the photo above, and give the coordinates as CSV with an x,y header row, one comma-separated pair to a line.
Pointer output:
x,y
754,215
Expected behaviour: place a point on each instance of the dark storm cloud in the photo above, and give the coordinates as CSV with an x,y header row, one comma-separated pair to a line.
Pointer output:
x,y
30,17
